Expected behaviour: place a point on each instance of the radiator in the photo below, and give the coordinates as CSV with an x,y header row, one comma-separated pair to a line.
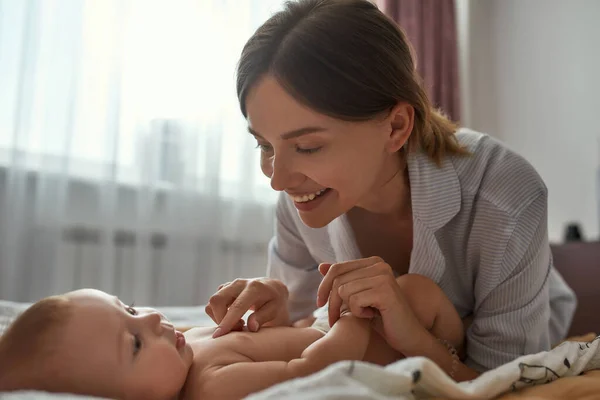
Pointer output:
x,y
153,268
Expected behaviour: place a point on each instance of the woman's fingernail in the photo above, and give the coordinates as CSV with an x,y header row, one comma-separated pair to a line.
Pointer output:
x,y
318,301
217,333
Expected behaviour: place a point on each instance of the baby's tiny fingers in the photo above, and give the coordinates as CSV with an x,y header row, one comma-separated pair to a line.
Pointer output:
x,y
239,326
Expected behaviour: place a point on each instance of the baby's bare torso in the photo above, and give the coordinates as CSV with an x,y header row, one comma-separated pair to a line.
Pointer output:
x,y
269,344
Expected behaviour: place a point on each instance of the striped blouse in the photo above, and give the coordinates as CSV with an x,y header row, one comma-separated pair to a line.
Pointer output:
x,y
479,232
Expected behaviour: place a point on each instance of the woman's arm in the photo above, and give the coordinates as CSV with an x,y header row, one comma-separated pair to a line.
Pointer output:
x,y
348,339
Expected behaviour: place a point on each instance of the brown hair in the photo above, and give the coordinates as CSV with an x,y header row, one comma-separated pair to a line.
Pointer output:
x,y
347,60
29,345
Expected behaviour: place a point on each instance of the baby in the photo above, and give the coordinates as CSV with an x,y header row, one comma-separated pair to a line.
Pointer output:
x,y
88,342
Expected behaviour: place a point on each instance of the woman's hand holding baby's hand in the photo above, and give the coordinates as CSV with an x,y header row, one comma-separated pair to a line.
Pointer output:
x,y
368,286
266,297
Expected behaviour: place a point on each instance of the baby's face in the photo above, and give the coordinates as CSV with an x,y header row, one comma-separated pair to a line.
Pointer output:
x,y
124,352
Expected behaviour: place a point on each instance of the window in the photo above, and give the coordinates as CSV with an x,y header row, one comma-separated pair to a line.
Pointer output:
x,y
140,91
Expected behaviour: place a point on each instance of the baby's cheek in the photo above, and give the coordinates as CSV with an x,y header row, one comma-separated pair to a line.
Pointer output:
x,y
188,356
173,375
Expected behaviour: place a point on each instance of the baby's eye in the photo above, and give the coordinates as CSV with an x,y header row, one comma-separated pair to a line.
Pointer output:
x,y
131,310
137,344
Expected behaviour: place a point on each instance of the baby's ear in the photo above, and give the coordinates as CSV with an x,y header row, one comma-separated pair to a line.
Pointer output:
x,y
323,268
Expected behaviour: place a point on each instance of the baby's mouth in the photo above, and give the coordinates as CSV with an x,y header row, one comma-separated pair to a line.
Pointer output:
x,y
179,340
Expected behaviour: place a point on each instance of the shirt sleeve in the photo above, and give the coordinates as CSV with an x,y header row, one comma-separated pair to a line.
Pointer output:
x,y
563,303
291,262
513,318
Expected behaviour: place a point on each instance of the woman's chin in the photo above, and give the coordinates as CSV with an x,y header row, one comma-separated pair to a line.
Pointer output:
x,y
324,210
316,220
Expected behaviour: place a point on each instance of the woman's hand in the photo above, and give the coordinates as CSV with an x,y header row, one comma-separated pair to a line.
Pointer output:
x,y
367,287
266,297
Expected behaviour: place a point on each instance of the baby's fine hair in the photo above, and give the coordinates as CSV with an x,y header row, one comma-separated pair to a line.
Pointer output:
x,y
29,345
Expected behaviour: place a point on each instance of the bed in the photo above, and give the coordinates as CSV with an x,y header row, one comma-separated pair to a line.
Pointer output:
x,y
576,362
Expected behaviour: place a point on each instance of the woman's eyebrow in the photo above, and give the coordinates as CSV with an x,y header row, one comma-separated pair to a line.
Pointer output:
x,y
293,134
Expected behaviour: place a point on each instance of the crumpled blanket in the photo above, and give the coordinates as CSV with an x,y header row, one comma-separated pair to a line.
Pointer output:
x,y
420,378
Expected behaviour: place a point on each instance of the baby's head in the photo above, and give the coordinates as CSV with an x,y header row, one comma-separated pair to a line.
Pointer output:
x,y
88,342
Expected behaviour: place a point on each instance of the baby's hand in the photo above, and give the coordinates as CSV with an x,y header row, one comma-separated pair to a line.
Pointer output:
x,y
345,310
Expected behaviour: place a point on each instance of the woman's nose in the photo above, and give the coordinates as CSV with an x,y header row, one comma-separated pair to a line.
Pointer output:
x,y
282,175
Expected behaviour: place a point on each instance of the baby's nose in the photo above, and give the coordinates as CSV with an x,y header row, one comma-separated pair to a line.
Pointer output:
x,y
167,324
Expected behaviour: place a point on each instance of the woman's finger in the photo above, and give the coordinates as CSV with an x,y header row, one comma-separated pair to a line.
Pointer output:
x,y
222,300
363,304
266,313
335,300
379,269
251,296
360,285
333,271
324,267
341,294
340,269
220,303
208,310
361,273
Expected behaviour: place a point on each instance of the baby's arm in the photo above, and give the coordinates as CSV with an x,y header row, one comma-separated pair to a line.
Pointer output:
x,y
348,339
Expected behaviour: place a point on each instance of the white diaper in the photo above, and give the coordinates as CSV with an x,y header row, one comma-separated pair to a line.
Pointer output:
x,y
322,319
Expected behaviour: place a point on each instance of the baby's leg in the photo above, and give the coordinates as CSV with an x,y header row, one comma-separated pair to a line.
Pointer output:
x,y
433,308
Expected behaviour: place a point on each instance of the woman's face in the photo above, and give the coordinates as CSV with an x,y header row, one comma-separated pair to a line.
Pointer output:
x,y
327,166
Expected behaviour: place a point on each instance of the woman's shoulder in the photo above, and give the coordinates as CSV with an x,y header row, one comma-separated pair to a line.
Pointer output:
x,y
495,173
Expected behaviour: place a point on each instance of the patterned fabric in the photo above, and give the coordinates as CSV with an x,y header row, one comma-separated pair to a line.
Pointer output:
x,y
479,232
419,378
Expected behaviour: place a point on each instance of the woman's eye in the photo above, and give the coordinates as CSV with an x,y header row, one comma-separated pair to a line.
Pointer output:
x,y
308,151
137,344
265,148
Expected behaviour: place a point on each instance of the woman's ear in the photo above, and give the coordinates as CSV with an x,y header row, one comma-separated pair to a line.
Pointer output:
x,y
401,122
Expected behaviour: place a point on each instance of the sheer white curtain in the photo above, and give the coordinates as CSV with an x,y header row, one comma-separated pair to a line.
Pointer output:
x,y
124,161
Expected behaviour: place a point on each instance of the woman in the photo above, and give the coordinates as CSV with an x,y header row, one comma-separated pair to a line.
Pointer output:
x,y
378,183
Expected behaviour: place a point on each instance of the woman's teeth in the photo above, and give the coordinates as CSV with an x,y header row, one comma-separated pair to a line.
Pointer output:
x,y
307,197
